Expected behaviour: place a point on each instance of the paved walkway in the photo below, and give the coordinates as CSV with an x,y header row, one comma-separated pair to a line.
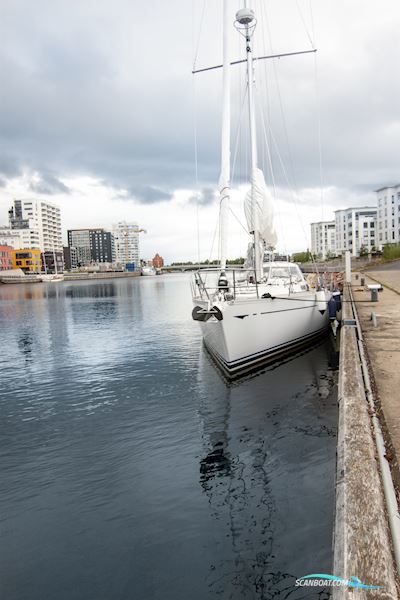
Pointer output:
x,y
383,345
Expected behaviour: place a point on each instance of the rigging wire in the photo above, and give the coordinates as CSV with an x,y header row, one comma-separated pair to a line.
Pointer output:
x,y
240,223
267,145
195,51
311,39
197,46
292,185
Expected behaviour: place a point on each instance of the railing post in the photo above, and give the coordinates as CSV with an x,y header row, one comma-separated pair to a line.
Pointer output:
x,y
255,279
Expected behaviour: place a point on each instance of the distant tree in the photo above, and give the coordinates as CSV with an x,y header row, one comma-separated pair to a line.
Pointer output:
x,y
236,261
302,257
363,251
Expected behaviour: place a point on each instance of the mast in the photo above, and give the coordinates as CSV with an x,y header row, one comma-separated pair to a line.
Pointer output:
x,y
55,262
246,23
224,180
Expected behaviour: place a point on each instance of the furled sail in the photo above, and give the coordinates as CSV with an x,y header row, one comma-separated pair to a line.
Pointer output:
x,y
264,214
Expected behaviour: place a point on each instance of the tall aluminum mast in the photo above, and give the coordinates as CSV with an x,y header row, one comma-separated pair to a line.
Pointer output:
x,y
224,180
246,23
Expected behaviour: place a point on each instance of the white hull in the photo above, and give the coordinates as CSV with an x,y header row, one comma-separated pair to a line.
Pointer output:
x,y
255,331
146,271
52,278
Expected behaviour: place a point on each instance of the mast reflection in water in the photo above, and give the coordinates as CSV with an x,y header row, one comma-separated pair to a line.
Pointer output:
x,y
131,470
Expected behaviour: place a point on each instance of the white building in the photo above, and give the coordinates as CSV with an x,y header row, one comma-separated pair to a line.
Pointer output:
x,y
39,223
388,221
323,239
126,238
356,229
11,237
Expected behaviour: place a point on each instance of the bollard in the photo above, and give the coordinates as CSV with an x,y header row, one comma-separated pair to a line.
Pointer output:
x,y
374,295
356,276
362,281
374,319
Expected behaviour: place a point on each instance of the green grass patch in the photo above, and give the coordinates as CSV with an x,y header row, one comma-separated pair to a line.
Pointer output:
x,y
391,252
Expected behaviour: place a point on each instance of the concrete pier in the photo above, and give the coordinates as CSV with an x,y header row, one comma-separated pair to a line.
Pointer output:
x,y
382,338
362,542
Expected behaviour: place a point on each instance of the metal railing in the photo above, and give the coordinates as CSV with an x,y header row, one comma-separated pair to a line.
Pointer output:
x,y
239,282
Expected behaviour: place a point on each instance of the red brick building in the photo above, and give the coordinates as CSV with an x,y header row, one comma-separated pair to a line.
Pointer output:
x,y
158,261
5,258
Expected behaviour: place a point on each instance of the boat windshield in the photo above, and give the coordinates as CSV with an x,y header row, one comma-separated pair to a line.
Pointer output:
x,y
288,272
281,272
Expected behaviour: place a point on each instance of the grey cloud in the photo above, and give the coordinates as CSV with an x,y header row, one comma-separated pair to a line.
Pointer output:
x,y
149,195
112,97
9,166
205,197
48,184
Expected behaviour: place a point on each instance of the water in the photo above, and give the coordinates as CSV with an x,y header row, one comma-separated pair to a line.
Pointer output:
x,y
130,470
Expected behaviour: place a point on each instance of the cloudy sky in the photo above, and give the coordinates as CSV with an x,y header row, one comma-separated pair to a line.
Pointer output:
x,y
98,108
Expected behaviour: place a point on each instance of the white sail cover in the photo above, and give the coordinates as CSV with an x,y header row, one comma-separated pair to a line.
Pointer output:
x,y
264,218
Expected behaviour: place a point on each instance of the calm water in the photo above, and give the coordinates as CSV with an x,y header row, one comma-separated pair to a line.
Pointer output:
x,y
130,470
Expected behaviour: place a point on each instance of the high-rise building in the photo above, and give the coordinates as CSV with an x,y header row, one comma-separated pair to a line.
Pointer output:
x,y
356,229
126,236
39,224
102,246
80,240
92,246
323,239
388,219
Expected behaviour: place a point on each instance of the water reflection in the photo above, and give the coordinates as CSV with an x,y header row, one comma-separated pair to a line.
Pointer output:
x,y
139,470
256,466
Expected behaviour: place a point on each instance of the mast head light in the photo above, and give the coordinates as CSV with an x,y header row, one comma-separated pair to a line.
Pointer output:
x,y
245,21
245,16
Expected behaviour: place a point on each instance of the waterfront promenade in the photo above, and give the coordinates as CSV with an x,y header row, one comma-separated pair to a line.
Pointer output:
x,y
383,348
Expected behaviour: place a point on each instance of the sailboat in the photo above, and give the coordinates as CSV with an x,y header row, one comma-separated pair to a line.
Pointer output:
x,y
256,314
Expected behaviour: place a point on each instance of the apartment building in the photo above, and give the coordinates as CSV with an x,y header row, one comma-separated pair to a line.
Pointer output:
x,y
39,224
388,219
92,246
323,239
126,236
356,229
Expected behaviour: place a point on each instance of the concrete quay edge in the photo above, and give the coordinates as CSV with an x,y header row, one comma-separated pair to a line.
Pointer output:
x,y
362,543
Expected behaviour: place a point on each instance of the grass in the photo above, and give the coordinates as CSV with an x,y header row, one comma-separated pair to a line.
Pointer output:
x,y
391,252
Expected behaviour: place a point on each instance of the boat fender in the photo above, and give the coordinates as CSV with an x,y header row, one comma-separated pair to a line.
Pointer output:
x,y
337,298
200,314
321,301
217,313
332,308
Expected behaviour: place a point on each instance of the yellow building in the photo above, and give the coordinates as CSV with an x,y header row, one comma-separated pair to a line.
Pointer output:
x,y
27,259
